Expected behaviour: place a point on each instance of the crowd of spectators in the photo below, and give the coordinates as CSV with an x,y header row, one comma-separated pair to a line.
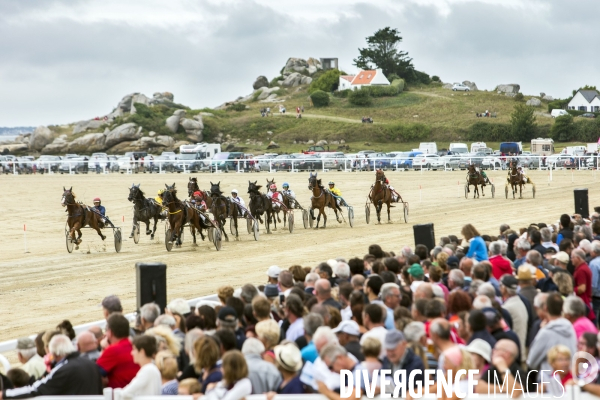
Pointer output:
x,y
504,303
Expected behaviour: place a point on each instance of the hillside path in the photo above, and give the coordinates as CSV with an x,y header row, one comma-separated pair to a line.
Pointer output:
x,y
341,119
432,95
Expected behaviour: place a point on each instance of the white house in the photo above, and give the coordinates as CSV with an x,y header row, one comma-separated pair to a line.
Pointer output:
x,y
585,100
363,78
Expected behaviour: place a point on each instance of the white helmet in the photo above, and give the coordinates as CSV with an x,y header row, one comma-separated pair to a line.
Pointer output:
x,y
234,191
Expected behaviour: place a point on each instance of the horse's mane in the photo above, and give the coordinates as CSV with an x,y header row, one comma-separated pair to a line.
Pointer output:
x,y
141,192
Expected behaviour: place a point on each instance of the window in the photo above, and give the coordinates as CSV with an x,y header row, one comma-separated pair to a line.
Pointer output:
x,y
596,108
582,108
369,77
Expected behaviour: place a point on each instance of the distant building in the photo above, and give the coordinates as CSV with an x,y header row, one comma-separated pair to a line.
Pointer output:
x,y
329,63
374,77
585,100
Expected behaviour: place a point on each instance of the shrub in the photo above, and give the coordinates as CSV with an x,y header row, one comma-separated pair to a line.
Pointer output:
x,y
328,82
422,77
519,97
482,131
399,84
392,77
586,130
236,107
563,128
319,98
151,118
435,78
274,82
361,98
556,104
342,93
381,91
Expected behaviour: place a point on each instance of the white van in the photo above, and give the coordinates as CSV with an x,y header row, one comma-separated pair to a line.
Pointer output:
x,y
428,147
542,147
459,148
557,112
477,146
574,150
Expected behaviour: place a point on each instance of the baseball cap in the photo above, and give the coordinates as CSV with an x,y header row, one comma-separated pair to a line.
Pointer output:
x,y
227,314
492,316
481,347
393,338
25,343
562,256
509,281
273,271
350,327
112,304
180,306
452,261
524,273
416,271
271,290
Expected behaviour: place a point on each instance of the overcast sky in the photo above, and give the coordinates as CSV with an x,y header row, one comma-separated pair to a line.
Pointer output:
x,y
64,61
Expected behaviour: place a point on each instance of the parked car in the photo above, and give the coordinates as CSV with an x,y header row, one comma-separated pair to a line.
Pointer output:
x,y
225,161
309,163
284,163
48,163
78,165
165,163
429,161
459,87
588,115
333,160
491,162
451,161
263,161
189,162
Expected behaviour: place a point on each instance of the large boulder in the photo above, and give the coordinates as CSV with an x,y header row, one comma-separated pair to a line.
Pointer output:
x,y
547,98
261,81
139,98
83,126
125,103
40,137
295,65
534,102
121,133
162,98
165,141
293,79
13,147
266,92
88,143
59,145
313,65
511,88
192,126
471,85
306,80
172,122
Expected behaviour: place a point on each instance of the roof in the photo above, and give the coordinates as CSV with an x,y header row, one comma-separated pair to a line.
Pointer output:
x,y
364,77
589,94
347,77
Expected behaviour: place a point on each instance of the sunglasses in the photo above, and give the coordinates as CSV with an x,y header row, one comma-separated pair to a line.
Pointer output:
x,y
330,366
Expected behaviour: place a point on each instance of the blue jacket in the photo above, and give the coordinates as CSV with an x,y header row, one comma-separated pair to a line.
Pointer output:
x,y
478,249
411,362
101,210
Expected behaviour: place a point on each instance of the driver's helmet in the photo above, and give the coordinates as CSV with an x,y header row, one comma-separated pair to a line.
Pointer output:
x,y
97,200
285,186
160,192
197,193
331,183
234,191
273,187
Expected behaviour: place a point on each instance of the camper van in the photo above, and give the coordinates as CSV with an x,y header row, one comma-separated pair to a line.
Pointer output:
x,y
574,150
557,112
459,148
205,151
428,148
511,147
478,147
542,147
592,148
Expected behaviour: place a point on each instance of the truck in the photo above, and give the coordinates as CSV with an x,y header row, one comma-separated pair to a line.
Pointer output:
x,y
542,147
511,147
205,151
459,148
557,112
428,147
574,150
316,149
592,148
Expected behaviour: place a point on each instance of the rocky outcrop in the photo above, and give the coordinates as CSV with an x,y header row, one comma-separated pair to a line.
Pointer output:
x,y
295,65
261,81
88,143
165,141
83,126
162,98
509,89
471,85
266,92
534,102
121,133
172,122
40,137
13,147
447,85
547,98
292,80
193,128
313,65
59,145
125,103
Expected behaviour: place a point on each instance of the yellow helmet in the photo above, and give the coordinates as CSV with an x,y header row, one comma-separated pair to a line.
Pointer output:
x,y
161,191
332,183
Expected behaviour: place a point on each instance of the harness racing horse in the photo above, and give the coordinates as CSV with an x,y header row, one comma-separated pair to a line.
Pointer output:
x,y
475,178
515,179
221,209
260,204
320,199
380,195
276,207
179,215
79,216
144,210
193,187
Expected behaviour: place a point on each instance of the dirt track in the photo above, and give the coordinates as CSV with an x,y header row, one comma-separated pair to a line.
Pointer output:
x,y
46,285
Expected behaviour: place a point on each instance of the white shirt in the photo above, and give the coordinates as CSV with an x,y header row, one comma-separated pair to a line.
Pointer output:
x,y
295,330
239,200
415,285
290,193
147,382
346,314
240,390
35,366
274,195
378,333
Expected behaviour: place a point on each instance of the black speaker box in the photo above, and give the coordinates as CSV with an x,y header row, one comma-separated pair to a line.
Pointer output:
x,y
424,235
582,206
151,284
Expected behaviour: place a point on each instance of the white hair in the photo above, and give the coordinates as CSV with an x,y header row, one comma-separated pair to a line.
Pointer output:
x,y
311,277
457,276
27,353
523,244
237,293
596,247
414,331
386,289
495,248
586,246
487,289
190,338
407,251
437,291
503,246
166,320
574,306
61,346
540,300
342,270
150,312
324,333
481,302
253,346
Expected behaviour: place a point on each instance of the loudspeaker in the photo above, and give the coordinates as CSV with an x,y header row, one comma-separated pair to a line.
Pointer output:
x,y
151,284
581,202
424,235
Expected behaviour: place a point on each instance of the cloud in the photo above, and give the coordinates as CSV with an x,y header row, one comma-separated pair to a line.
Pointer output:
x,y
65,61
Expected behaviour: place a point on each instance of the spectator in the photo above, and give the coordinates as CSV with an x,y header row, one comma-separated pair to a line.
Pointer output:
x,y
398,356
547,242
311,323
417,276
575,311
309,282
87,345
559,358
498,329
456,280
526,282
294,311
371,350
149,312
582,280
178,306
515,307
337,359
208,353
228,319
298,273
289,363
373,319
191,337
390,295
263,375
440,334
417,341
500,264
261,308
348,333
224,293
504,359
535,237
18,377
535,259
235,384
477,247
566,230
286,282
111,304
71,375
323,294
268,332
522,247
147,381
481,355
208,316
595,268
31,362
345,290
116,362
477,324
188,387
342,272
166,363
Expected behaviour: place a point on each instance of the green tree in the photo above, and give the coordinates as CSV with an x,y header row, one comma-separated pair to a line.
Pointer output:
x,y
586,87
522,122
328,82
382,50
563,128
319,98
360,98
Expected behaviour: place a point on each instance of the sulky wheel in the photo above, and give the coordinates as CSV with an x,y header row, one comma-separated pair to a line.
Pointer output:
x,y
467,191
256,230
290,219
211,234
506,191
217,236
368,213
249,224
406,213
493,191
305,217
136,233
533,191
351,216
168,243
70,243
118,239
232,227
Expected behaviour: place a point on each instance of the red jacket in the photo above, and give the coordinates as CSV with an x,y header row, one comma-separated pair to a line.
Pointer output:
x,y
500,266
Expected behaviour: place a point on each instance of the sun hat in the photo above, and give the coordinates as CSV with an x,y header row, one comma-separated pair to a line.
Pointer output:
x,y
524,273
273,271
25,344
481,347
288,357
350,327
180,306
562,256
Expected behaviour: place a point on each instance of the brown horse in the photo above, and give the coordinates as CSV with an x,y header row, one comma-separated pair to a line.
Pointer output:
x,y
79,216
380,195
515,178
260,204
193,187
221,209
276,206
475,178
179,215
320,199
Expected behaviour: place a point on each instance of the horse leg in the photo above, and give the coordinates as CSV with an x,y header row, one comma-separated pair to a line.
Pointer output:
x,y
482,188
378,208
154,229
388,210
193,229
148,231
133,227
98,230
324,217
